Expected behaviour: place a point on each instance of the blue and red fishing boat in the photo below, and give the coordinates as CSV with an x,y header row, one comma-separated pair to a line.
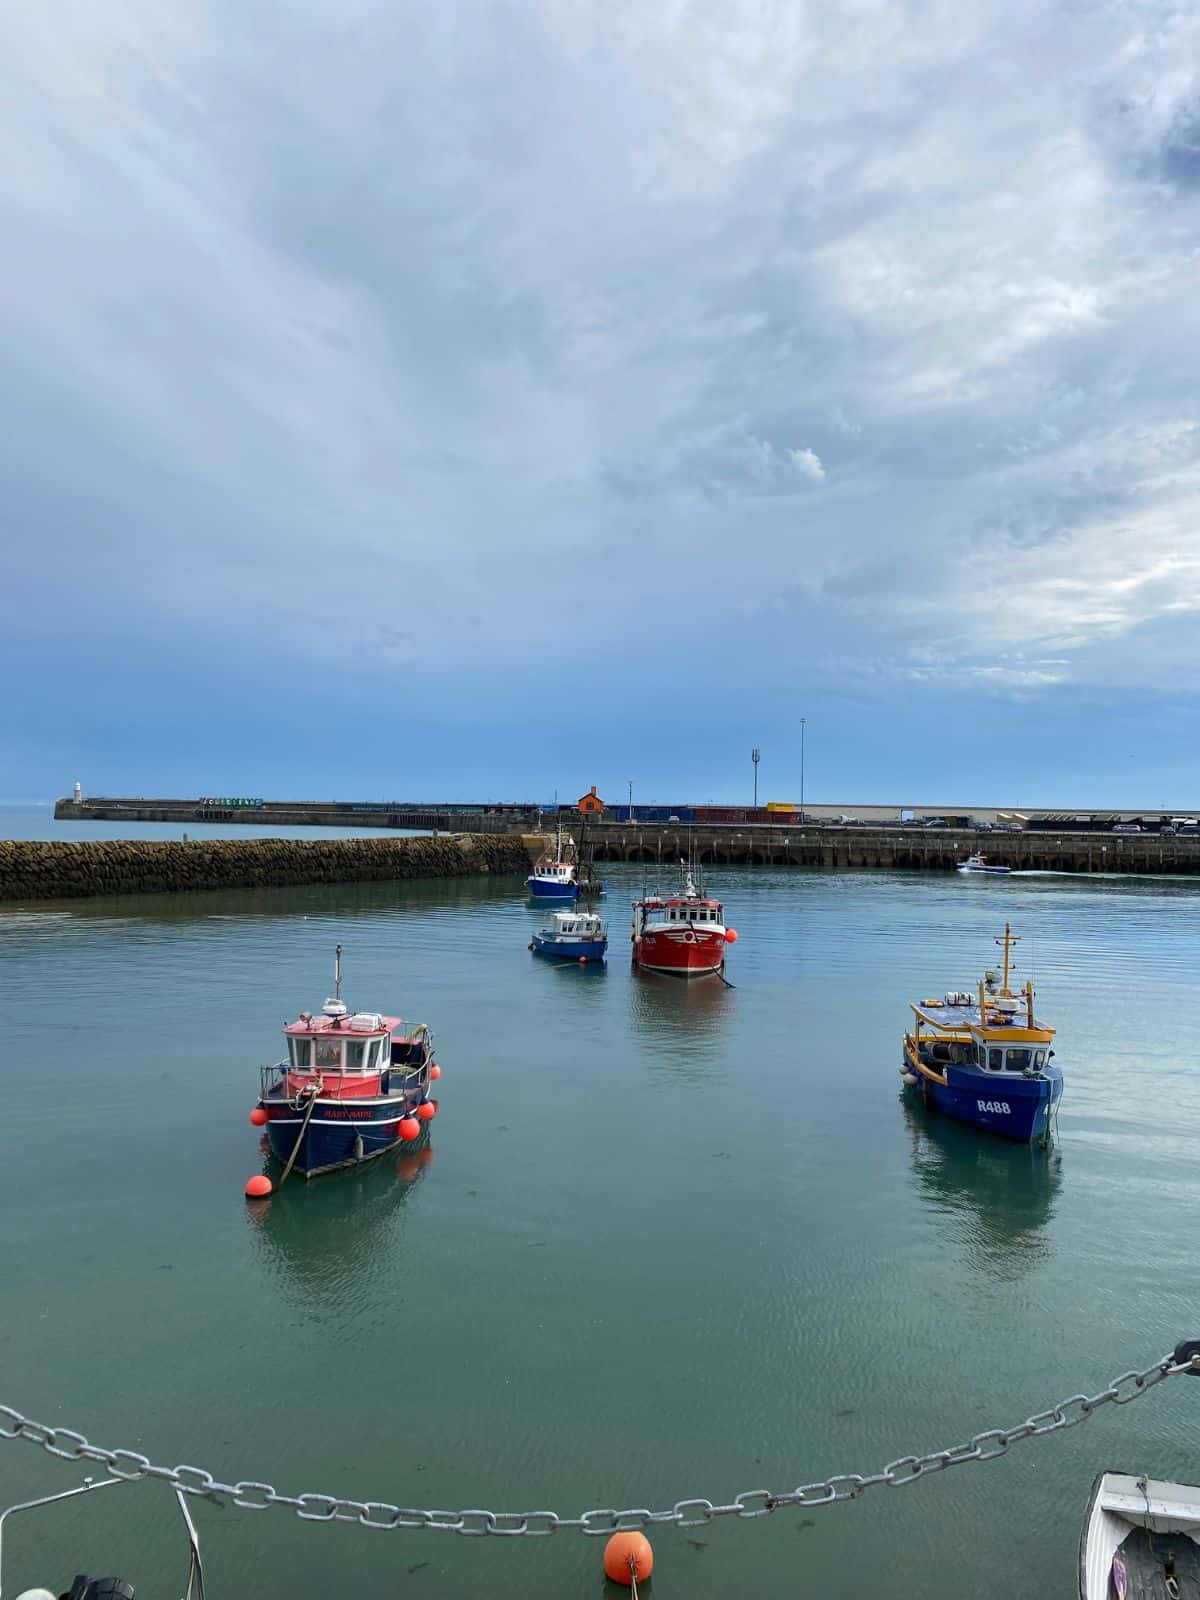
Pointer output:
x,y
986,1058
354,1085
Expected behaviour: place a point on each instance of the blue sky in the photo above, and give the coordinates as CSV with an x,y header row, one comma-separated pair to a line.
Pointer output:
x,y
519,397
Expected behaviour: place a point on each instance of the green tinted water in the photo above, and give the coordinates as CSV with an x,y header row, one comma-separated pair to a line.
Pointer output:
x,y
673,1240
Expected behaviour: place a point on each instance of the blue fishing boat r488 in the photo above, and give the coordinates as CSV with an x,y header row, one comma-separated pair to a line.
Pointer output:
x,y
986,1060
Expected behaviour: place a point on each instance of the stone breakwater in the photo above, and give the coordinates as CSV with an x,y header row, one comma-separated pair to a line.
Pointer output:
x,y
49,870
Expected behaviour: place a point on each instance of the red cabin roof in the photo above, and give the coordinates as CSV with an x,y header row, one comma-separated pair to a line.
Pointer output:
x,y
342,1027
657,900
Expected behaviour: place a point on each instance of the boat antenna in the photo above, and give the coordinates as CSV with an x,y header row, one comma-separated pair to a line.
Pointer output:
x,y
337,973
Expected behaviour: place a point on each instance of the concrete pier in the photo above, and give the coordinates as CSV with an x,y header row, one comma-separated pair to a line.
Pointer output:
x,y
937,849
476,818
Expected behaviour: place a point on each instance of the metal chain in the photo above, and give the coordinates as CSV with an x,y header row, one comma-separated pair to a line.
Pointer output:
x,y
252,1496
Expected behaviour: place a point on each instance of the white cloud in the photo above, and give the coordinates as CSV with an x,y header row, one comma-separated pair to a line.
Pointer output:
x,y
394,302
807,464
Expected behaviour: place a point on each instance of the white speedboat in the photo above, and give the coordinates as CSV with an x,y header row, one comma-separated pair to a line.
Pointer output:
x,y
978,863
1141,1538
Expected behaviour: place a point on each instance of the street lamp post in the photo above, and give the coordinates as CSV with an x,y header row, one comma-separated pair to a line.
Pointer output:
x,y
754,757
803,721
631,799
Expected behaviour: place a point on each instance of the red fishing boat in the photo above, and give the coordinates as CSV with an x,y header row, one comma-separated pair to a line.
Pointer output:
x,y
683,933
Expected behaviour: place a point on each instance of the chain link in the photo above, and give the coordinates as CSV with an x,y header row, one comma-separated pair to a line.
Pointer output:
x,y
249,1495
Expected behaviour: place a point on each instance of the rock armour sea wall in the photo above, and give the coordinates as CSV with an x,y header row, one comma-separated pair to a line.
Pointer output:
x,y
49,870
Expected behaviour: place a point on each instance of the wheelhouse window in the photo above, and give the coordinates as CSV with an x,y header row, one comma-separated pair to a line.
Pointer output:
x,y
354,1054
1039,1059
301,1052
1018,1060
996,1060
328,1052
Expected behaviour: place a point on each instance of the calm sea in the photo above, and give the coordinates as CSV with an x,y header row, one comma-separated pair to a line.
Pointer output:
x,y
673,1240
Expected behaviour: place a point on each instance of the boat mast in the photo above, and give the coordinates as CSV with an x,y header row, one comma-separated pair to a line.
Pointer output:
x,y
337,973
1009,939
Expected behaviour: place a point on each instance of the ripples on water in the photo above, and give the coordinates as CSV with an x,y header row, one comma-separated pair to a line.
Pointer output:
x,y
666,1239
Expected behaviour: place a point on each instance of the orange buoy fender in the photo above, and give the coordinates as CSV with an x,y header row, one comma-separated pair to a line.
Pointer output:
x,y
258,1116
435,1072
627,1556
409,1128
427,1111
259,1187
730,935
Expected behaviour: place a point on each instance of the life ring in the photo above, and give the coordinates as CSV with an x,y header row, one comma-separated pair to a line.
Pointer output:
x,y
688,936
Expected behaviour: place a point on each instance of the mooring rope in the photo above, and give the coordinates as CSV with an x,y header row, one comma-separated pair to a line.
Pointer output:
x,y
299,1141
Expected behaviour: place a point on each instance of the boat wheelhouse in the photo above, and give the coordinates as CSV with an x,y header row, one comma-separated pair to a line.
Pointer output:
x,y
556,875
354,1085
572,936
684,933
986,1060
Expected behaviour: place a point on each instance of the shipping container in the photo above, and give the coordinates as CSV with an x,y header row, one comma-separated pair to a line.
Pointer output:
x,y
650,813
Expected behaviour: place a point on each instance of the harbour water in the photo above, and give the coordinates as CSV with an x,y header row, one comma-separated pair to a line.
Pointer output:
x,y
672,1240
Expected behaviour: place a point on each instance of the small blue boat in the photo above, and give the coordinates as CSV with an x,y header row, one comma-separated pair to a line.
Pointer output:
x,y
987,1060
980,863
572,936
556,874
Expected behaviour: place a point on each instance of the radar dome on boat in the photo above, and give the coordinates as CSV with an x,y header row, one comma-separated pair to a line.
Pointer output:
x,y
334,1008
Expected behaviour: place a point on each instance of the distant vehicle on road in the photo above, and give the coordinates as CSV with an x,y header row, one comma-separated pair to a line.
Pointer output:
x,y
672,819
1127,827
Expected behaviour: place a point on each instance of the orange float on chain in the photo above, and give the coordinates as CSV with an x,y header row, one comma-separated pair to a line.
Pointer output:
x,y
258,1116
427,1111
409,1128
259,1187
627,1556
435,1072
